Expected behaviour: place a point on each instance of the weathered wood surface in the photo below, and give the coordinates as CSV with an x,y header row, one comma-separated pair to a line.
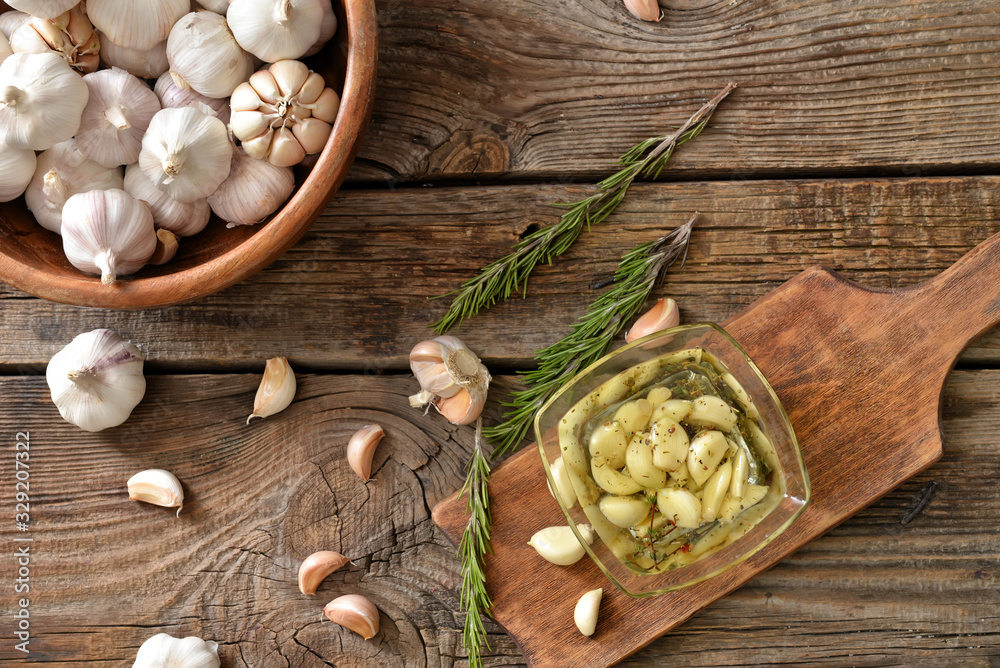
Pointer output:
x,y
375,257
538,89
888,587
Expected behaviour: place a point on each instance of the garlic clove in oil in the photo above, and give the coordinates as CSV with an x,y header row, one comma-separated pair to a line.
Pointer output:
x,y
186,153
145,24
564,491
354,612
451,377
116,117
276,391
316,567
96,380
158,487
275,30
361,449
586,611
205,57
41,100
108,233
663,315
253,190
559,545
17,165
164,651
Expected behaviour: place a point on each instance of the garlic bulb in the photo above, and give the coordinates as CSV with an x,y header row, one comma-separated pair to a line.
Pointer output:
x,y
96,380
17,165
107,232
158,487
452,377
63,171
253,191
354,612
46,9
41,100
136,24
186,153
172,95
647,10
9,21
182,218
116,117
205,57
327,28
283,113
217,6
663,315
275,30
276,389
585,612
166,247
163,651
145,63
68,35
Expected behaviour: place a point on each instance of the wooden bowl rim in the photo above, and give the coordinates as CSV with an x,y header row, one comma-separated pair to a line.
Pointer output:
x,y
273,238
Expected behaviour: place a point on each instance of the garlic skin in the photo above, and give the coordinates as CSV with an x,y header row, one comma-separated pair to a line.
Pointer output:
x,y
182,218
253,190
45,9
559,545
283,113
354,612
663,315
17,165
144,63
452,377
275,30
61,172
166,247
158,487
172,95
41,100
647,10
116,117
186,153
108,233
317,567
136,24
327,28
205,57
9,21
585,612
96,380
164,651
276,390
69,35
361,449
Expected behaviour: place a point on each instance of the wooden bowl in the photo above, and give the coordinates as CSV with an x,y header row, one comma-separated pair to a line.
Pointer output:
x,y
32,259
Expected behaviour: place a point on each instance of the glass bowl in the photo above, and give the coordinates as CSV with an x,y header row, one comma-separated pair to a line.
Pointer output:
x,y
674,551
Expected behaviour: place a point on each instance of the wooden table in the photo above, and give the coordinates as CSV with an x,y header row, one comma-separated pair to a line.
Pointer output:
x,y
864,136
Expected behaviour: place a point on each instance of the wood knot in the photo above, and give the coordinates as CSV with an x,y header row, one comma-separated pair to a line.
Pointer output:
x,y
469,154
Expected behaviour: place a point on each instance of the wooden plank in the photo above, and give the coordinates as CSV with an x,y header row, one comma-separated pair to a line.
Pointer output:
x,y
376,257
553,90
107,573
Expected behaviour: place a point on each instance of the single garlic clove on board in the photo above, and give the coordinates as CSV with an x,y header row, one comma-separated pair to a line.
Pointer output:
x,y
156,486
585,613
647,10
163,650
316,567
559,545
361,449
354,612
663,315
277,388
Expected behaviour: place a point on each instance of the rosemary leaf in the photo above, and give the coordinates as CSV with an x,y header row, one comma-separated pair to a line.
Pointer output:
x,y
500,278
472,549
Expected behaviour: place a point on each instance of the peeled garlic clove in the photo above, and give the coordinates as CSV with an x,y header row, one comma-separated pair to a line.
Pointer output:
x,y
585,613
143,26
41,100
361,449
446,370
624,511
680,507
45,9
186,153
182,218
663,315
706,451
156,486
712,413
116,117
163,650
559,545
253,190
96,380
647,10
108,233
144,63
316,567
275,30
276,391
354,612
166,247
205,57
17,165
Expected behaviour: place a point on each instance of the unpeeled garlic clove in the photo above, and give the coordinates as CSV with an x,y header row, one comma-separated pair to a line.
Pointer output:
x,y
316,567
166,247
156,486
354,612
585,613
647,10
559,545
361,449
663,315
276,391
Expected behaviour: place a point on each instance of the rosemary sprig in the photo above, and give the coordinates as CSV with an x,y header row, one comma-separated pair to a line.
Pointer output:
x,y
590,336
499,279
472,549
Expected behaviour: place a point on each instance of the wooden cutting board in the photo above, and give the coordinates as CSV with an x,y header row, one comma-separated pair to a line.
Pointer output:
x,y
860,373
